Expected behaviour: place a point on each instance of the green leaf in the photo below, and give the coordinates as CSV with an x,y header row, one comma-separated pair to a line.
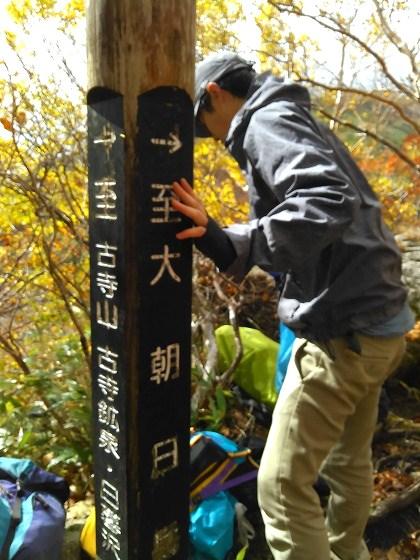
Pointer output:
x,y
9,406
25,439
241,554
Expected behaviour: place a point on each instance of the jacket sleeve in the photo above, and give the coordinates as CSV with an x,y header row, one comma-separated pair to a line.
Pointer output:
x,y
217,245
285,149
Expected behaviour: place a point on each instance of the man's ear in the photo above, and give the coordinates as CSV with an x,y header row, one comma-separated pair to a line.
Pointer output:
x,y
213,89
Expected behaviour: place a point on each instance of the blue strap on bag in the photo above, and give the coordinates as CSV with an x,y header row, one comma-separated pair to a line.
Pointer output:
x,y
287,337
32,514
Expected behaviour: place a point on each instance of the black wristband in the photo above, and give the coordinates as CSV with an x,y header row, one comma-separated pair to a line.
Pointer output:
x,y
217,245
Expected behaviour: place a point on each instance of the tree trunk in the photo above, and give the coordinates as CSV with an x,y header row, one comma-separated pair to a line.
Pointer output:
x,y
140,84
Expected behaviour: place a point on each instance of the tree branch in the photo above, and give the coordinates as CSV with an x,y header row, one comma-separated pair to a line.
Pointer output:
x,y
376,137
370,95
336,27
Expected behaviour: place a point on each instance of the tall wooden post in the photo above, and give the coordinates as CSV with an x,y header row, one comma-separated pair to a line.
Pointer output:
x,y
141,69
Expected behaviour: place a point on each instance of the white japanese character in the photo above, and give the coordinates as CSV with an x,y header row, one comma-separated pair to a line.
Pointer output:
x,y
107,137
107,283
107,359
110,542
109,443
107,258
166,264
111,520
165,363
165,457
106,316
107,414
109,494
106,198
166,542
108,386
163,205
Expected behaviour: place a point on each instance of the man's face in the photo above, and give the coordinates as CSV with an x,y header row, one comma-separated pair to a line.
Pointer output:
x,y
215,123
225,106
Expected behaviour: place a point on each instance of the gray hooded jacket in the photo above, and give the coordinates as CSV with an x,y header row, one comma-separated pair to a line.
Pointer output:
x,y
314,218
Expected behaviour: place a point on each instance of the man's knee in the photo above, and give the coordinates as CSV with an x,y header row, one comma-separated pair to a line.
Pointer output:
x,y
280,486
273,488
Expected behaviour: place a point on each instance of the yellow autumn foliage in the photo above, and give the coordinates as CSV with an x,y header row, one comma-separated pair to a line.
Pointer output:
x,y
21,10
220,183
44,277
215,22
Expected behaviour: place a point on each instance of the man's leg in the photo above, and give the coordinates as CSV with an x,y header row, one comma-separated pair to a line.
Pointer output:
x,y
348,468
318,396
348,472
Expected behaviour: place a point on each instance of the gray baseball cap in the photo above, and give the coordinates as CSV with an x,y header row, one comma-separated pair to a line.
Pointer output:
x,y
211,69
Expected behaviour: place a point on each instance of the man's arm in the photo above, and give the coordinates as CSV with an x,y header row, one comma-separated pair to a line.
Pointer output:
x,y
210,239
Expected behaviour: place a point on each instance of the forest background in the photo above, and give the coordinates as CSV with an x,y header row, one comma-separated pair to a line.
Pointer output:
x,y
360,61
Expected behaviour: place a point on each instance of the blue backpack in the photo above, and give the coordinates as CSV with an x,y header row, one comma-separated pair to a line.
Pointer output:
x,y
217,465
32,515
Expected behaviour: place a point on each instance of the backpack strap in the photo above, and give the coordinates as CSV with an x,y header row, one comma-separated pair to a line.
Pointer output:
x,y
217,486
218,483
14,522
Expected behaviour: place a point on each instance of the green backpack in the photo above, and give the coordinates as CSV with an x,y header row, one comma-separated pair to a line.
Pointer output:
x,y
256,371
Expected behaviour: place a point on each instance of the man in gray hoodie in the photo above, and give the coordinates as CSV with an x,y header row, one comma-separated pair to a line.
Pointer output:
x,y
317,223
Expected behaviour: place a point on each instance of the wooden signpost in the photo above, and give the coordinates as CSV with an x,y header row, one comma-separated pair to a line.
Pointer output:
x,y
140,139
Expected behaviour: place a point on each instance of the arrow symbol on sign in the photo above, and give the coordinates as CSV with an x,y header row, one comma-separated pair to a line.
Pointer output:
x,y
173,142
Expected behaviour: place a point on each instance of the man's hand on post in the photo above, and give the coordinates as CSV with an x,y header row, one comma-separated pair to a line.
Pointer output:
x,y
188,204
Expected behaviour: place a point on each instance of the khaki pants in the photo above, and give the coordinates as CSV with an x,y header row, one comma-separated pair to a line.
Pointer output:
x,y
323,421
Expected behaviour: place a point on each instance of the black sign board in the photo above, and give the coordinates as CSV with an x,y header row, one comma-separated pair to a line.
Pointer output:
x,y
152,523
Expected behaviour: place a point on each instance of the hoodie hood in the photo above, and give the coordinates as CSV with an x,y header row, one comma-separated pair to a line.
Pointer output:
x,y
266,89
